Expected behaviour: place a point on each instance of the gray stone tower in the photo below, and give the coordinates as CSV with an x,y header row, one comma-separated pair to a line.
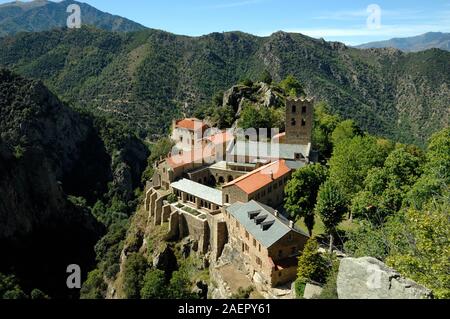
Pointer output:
x,y
299,120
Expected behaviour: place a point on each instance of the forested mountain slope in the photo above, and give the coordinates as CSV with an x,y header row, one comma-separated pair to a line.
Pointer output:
x,y
148,77
42,15
54,164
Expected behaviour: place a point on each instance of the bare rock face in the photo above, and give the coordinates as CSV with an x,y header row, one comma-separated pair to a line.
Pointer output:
x,y
369,278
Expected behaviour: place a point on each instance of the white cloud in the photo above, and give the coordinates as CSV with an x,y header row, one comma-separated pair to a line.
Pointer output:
x,y
352,15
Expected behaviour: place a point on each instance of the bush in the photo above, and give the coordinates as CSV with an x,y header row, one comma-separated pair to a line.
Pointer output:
x,y
154,286
300,285
135,269
312,266
37,294
94,287
172,198
180,286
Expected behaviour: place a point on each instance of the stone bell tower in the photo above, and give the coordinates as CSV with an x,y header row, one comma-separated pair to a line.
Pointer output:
x,y
299,120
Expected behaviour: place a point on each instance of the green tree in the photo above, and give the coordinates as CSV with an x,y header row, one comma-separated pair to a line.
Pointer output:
x,y
224,116
135,269
331,207
301,193
420,246
385,188
180,285
312,266
154,286
324,125
9,288
352,160
254,116
247,82
344,131
436,171
266,77
37,294
94,287
160,149
292,86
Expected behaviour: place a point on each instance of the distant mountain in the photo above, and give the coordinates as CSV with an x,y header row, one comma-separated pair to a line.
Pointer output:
x,y
41,15
145,79
422,42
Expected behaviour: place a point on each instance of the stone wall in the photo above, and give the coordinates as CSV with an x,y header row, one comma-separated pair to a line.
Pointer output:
x,y
234,194
369,278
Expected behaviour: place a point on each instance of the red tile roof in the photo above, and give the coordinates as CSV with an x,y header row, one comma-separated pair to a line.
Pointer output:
x,y
191,124
261,177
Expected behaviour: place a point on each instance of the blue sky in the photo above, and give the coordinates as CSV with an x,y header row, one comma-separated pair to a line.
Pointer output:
x,y
344,20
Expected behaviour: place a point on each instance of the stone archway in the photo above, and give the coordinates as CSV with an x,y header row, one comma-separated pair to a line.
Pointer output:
x,y
221,180
211,181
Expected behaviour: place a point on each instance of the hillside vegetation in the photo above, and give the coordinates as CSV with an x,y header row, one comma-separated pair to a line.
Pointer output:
x,y
65,177
149,77
42,15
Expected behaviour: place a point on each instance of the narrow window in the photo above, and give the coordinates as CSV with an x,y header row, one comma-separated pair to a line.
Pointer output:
x,y
294,109
293,122
304,109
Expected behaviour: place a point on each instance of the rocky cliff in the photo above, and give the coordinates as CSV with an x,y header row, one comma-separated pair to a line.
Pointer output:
x,y
49,156
369,278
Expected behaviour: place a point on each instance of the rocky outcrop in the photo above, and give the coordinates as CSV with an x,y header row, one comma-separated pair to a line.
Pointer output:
x,y
259,93
369,278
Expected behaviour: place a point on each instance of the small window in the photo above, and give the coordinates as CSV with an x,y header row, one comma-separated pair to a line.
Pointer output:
x,y
293,122
254,242
258,261
181,139
304,109
303,122
259,248
227,199
293,250
247,235
280,253
294,109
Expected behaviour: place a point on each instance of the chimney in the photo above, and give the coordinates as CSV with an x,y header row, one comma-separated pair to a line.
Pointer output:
x,y
276,213
291,224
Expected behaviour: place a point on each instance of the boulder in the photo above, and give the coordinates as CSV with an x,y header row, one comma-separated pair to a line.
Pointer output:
x,y
312,291
369,278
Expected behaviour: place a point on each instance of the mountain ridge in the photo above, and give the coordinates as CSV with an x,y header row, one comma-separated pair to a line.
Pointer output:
x,y
43,15
430,40
151,76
